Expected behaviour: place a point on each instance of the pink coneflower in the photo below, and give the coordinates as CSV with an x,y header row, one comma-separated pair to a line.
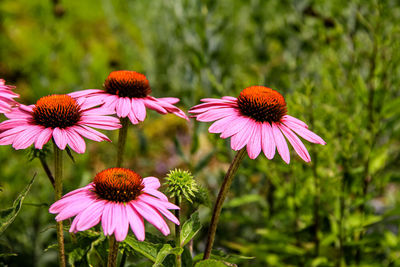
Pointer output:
x,y
128,94
60,117
257,118
119,198
6,97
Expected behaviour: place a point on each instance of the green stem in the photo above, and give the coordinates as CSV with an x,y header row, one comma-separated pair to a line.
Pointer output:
x,y
220,200
113,252
58,166
178,232
122,140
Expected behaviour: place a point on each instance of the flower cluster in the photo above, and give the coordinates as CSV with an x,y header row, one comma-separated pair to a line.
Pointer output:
x,y
118,198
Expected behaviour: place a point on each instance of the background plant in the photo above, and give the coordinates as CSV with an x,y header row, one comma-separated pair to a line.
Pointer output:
x,y
336,63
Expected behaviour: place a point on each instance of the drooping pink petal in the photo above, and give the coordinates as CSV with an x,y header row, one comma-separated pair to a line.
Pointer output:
x,y
7,140
171,100
72,229
5,125
136,222
151,182
151,104
110,102
91,133
88,188
19,113
210,106
294,120
121,230
123,107
92,102
165,204
215,114
230,98
91,216
281,144
305,133
100,120
268,141
66,200
240,139
26,138
13,131
60,138
155,204
75,141
133,118
139,109
239,124
43,138
86,92
295,142
223,124
155,193
74,207
152,216
254,143
107,218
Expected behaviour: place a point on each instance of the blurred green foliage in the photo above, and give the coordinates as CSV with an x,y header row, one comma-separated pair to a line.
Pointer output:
x,y
336,62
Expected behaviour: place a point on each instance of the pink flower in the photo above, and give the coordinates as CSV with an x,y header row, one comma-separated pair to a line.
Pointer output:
x,y
119,198
6,97
60,117
256,119
127,93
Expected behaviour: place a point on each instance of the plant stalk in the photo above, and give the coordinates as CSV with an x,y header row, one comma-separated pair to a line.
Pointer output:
x,y
220,200
178,232
58,168
47,171
122,140
113,252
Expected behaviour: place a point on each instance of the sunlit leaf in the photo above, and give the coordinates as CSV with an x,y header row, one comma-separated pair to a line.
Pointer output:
x,y
190,228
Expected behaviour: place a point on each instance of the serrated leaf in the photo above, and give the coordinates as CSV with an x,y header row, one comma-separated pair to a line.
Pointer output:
x,y
211,263
7,216
190,228
147,249
164,252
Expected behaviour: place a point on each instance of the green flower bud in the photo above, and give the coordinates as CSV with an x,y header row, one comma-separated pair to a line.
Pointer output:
x,y
181,184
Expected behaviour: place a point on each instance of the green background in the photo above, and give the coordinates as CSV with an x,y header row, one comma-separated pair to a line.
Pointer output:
x,y
336,62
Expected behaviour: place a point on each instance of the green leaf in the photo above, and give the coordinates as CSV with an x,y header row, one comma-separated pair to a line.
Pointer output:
x,y
164,252
211,263
222,256
190,228
392,108
7,216
147,249
246,199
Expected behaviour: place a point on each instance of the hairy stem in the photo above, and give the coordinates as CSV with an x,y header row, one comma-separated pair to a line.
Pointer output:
x,y
122,140
178,232
58,166
220,200
113,252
